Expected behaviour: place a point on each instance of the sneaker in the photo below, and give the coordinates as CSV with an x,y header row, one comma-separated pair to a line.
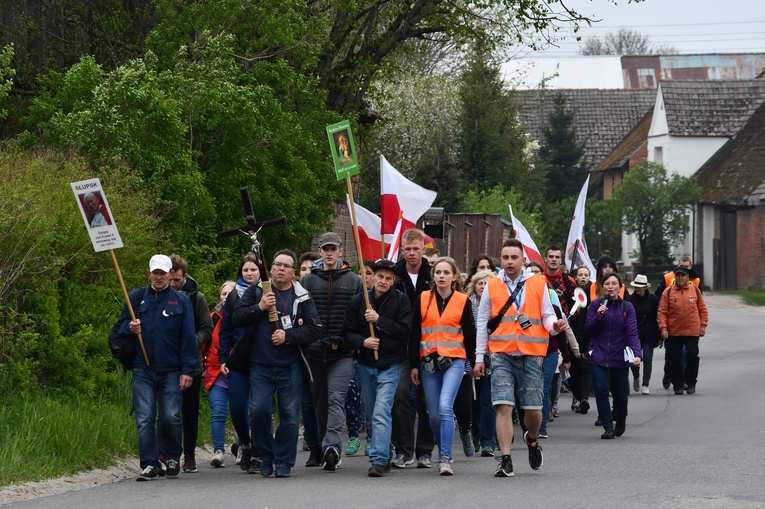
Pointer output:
x,y
173,469
598,422
147,474
636,385
679,392
218,459
367,446
401,461
467,444
255,465
621,427
162,465
665,381
584,406
376,471
550,416
246,459
575,405
237,451
353,446
542,434
305,446
691,389
266,468
424,461
331,459
645,391
445,468
189,464
487,451
535,453
314,459
555,412
608,434
282,471
505,467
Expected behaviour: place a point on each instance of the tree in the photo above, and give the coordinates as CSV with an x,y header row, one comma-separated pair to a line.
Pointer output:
x,y
6,77
654,206
497,201
561,153
494,147
624,42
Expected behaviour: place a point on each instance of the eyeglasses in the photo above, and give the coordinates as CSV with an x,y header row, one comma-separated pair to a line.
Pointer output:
x,y
280,264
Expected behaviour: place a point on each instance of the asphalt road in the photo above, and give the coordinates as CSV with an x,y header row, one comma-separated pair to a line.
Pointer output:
x,y
700,451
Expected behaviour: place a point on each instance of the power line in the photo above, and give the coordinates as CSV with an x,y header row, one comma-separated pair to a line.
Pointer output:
x,y
680,24
568,43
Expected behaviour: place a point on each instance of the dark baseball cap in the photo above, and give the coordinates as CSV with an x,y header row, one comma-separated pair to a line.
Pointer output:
x,y
689,272
328,238
385,264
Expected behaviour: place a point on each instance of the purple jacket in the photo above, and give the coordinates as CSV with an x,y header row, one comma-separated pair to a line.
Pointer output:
x,y
610,334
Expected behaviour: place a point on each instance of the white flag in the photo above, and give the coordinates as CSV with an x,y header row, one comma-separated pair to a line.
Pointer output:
x,y
576,243
530,251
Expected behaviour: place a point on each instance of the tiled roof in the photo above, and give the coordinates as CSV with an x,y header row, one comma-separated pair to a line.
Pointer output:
x,y
710,108
735,175
603,117
629,144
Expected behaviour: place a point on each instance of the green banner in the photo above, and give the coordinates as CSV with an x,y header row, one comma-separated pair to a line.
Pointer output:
x,y
343,149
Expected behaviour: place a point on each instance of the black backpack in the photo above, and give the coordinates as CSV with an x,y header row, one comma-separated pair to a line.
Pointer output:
x,y
123,346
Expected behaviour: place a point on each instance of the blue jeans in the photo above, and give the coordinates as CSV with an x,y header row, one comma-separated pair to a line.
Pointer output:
x,y
484,413
440,390
549,364
617,380
378,389
287,383
239,394
150,389
219,407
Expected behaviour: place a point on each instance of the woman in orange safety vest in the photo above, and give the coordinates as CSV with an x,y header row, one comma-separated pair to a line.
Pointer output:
x,y
445,333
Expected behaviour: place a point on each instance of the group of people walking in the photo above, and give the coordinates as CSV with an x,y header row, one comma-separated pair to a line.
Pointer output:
x,y
312,343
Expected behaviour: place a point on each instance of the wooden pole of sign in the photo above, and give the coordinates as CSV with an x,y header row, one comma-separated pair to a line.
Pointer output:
x,y
359,254
127,301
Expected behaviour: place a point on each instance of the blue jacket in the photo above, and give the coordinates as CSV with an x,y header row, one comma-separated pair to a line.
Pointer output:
x,y
611,334
167,329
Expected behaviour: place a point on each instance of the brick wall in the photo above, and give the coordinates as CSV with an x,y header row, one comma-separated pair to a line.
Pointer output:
x,y
750,243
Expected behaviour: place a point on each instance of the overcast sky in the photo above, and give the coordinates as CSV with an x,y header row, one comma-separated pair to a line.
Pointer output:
x,y
690,26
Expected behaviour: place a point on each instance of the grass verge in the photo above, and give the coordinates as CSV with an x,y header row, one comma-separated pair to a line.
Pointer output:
x,y
73,434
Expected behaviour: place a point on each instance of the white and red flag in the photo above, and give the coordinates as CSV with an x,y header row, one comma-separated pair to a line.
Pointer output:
x,y
400,198
369,232
530,251
576,248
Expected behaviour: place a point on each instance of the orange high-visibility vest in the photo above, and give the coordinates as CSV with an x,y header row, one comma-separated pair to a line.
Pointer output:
x,y
442,334
509,336
669,280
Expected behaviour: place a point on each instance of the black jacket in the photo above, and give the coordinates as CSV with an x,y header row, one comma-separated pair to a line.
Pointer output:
x,y
331,291
646,309
393,327
202,321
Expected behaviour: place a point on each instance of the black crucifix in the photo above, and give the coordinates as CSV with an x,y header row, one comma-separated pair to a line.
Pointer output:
x,y
252,229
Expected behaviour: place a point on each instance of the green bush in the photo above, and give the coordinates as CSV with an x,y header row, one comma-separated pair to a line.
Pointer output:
x,y
58,298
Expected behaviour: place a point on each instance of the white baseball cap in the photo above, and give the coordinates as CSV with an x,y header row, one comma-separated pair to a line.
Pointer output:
x,y
160,262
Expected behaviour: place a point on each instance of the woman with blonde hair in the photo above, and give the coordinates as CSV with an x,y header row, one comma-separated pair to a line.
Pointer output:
x,y
444,332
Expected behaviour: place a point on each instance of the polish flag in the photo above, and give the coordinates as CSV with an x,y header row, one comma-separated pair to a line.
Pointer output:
x,y
400,196
369,232
530,251
393,253
576,248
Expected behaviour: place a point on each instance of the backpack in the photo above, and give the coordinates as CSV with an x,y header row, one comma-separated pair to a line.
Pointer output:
x,y
123,346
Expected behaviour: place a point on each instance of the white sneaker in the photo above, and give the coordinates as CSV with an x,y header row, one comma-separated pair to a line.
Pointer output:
x,y
645,391
445,468
239,453
217,460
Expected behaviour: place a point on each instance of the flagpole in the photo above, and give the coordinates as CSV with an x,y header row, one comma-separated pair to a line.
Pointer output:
x,y
129,305
359,255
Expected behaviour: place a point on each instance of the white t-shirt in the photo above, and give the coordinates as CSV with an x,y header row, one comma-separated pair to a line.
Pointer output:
x,y
413,277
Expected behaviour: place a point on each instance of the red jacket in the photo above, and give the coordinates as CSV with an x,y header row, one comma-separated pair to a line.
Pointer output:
x,y
210,352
